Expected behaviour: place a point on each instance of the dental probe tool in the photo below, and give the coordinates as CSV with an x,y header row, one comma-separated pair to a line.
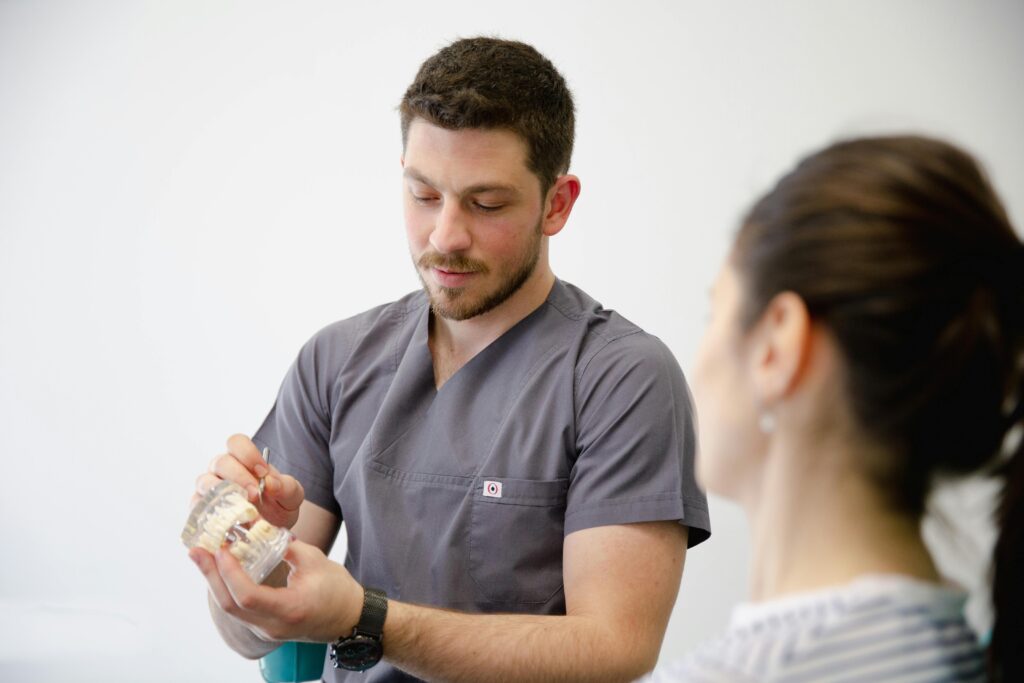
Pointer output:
x,y
263,479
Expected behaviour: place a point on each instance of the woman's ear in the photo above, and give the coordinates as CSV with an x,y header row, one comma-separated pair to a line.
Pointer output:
x,y
779,347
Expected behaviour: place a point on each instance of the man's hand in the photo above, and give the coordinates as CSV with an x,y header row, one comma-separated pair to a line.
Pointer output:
x,y
320,603
244,465
283,501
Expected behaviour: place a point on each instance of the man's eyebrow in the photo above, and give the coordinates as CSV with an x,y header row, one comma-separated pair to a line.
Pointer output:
x,y
413,174
491,187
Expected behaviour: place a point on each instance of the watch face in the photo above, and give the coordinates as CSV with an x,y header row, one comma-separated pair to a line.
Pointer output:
x,y
356,653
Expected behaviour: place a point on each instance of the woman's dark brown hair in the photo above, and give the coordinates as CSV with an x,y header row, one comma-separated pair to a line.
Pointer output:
x,y
900,247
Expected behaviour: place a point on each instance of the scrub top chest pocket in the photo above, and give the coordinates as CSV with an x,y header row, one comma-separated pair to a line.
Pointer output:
x,y
516,536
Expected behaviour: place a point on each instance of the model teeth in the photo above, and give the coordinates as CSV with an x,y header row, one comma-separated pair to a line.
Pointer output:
x,y
234,509
220,517
249,548
263,531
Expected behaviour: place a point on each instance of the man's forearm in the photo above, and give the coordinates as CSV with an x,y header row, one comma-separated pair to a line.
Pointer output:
x,y
237,635
439,645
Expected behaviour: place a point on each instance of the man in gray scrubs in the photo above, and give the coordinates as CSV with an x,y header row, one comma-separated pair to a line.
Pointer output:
x,y
513,462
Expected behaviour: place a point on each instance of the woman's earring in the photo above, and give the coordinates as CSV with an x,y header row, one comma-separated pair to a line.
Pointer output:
x,y
766,422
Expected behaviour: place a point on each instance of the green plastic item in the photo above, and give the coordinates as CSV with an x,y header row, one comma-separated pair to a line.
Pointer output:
x,y
294,662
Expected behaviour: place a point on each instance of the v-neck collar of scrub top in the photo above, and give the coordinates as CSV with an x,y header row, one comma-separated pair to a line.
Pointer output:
x,y
414,393
420,341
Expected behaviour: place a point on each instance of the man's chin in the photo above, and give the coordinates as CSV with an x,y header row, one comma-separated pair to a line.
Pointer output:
x,y
457,304
452,308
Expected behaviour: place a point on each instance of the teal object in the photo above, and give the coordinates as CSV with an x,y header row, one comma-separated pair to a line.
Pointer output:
x,y
294,662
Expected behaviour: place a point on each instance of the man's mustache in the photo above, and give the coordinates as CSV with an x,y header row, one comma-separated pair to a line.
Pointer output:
x,y
456,263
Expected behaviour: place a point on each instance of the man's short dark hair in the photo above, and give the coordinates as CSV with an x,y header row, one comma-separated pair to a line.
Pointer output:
x,y
500,84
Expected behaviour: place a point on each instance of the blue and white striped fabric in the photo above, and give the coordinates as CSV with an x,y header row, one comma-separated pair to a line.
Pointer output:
x,y
877,628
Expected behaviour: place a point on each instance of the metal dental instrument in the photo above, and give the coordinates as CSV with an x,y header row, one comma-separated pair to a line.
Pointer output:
x,y
263,480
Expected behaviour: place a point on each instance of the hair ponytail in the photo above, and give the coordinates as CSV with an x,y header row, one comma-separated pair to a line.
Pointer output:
x,y
1006,658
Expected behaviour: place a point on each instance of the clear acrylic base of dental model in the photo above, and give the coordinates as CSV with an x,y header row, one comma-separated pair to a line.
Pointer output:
x,y
225,515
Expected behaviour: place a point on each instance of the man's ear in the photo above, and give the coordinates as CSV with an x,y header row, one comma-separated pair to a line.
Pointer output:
x,y
558,204
780,347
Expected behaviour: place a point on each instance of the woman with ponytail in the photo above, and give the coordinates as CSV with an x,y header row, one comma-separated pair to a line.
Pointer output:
x,y
867,335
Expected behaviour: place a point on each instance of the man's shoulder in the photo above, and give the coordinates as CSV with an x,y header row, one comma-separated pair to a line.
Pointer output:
x,y
604,332
369,336
588,313
380,319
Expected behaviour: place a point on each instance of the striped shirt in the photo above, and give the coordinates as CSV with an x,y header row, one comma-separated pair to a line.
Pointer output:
x,y
877,628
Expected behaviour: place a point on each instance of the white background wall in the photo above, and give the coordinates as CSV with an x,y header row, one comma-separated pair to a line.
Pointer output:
x,y
188,190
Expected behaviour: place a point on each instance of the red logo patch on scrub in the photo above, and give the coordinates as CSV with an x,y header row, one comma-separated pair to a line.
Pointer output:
x,y
492,489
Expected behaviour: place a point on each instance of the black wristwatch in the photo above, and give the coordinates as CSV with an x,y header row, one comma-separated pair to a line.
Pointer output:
x,y
363,649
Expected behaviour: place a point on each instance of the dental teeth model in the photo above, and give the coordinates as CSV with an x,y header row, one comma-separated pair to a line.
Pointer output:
x,y
225,515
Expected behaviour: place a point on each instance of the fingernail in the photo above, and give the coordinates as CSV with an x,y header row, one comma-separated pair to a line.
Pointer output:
x,y
261,470
273,484
254,493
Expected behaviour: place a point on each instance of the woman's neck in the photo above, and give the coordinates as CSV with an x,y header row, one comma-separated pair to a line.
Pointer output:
x,y
817,522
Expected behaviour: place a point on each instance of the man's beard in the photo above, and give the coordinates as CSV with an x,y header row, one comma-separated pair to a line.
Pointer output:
x,y
451,302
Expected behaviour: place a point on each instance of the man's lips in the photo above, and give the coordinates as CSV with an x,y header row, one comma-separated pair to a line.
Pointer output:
x,y
451,278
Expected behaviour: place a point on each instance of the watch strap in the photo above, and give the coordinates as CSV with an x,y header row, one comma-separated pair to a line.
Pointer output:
x,y
375,611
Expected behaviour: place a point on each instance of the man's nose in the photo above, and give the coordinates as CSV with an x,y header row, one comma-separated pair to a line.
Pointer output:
x,y
451,230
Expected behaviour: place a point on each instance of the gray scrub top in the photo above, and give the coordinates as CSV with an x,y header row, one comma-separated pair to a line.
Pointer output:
x,y
461,497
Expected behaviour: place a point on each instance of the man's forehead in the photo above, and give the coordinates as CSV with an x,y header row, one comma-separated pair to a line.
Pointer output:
x,y
475,159
468,143
507,139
